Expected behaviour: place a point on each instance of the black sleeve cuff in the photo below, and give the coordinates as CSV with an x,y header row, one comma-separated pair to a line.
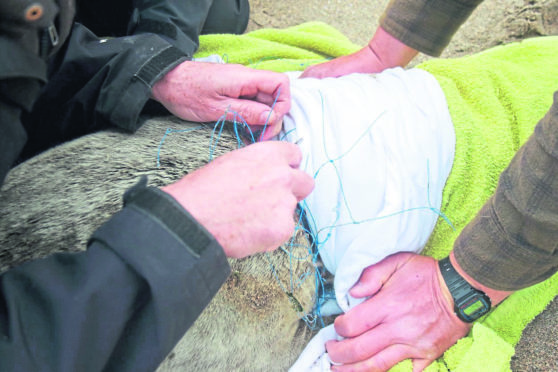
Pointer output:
x,y
181,268
160,64
182,264
164,208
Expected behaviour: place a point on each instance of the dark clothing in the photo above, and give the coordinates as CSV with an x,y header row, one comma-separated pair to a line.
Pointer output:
x,y
426,25
123,304
109,89
104,18
513,241
151,269
102,82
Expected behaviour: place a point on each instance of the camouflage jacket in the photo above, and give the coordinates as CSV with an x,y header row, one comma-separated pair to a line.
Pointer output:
x,y
512,243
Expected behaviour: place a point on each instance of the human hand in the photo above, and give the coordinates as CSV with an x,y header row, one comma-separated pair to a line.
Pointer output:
x,y
409,315
200,91
363,61
246,198
382,52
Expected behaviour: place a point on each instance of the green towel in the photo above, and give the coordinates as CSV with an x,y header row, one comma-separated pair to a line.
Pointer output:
x,y
281,50
495,100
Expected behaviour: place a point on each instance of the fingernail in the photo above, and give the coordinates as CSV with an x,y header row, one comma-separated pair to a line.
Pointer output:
x,y
266,117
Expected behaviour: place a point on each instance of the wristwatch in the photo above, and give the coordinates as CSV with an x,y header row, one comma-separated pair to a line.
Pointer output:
x,y
469,302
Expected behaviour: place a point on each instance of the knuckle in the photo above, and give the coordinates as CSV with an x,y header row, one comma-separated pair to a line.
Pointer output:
x,y
283,228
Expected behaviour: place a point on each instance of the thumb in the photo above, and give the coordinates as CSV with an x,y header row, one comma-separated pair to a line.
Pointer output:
x,y
253,112
264,132
373,277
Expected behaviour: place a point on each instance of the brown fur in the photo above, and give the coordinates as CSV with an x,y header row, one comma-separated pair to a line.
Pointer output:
x,y
54,202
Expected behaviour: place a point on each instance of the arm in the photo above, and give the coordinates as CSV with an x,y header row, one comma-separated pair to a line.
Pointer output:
x,y
511,244
151,269
99,82
121,305
154,61
84,311
406,28
382,52
121,71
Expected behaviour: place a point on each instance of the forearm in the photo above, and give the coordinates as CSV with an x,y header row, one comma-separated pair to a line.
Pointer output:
x,y
162,35
121,305
426,25
511,244
111,80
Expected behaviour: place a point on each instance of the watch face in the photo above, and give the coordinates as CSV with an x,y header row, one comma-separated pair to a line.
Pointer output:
x,y
473,307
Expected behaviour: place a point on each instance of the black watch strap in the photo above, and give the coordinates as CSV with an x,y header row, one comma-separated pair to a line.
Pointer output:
x,y
469,302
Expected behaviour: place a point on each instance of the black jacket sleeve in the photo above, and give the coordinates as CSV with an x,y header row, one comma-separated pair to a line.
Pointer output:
x,y
121,305
160,35
22,73
100,81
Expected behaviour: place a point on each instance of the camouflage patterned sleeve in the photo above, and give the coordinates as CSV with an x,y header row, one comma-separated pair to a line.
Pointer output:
x,y
426,25
513,241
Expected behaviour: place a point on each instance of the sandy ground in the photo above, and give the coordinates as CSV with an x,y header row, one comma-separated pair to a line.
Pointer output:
x,y
494,22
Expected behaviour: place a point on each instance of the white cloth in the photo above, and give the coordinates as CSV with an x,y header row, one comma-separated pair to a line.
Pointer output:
x,y
380,148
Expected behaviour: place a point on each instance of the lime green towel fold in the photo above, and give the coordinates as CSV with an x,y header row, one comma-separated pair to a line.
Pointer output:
x,y
495,99
280,50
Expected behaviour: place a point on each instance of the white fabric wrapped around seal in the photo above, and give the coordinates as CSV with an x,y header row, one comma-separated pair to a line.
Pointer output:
x,y
380,148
